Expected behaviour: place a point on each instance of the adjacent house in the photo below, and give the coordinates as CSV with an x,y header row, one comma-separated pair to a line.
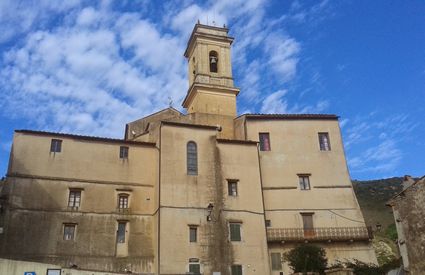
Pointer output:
x,y
409,208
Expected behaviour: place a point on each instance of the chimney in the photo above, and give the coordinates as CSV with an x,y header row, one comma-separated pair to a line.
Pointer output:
x,y
407,182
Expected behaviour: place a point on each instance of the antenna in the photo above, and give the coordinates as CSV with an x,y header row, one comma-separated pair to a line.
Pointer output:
x,y
170,102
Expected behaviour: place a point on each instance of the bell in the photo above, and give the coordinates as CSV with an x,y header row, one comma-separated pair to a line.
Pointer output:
x,y
213,59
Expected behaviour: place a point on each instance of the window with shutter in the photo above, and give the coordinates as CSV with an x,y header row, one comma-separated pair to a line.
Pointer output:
x,y
235,232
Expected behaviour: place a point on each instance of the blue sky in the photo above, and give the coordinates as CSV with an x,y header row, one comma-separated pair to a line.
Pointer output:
x,y
88,67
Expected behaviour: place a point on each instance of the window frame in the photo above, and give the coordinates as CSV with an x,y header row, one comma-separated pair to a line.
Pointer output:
x,y
232,192
65,233
193,228
56,145
213,54
268,223
73,198
233,238
124,152
192,158
324,144
198,264
239,272
123,239
302,183
262,144
125,199
278,257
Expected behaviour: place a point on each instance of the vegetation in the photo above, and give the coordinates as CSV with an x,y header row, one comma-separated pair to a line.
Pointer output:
x,y
362,268
307,258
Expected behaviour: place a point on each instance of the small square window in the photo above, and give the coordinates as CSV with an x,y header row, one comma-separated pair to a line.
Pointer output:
x,y
193,232
69,231
236,269
123,152
264,141
56,146
324,142
232,187
235,232
268,223
304,181
74,198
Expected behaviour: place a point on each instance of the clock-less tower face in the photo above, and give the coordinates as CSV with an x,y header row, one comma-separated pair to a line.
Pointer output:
x,y
211,88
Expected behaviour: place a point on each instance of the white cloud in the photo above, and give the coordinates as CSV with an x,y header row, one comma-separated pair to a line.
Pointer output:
x,y
274,103
75,77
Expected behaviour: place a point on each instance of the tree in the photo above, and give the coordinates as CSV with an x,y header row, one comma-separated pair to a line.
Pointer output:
x,y
307,258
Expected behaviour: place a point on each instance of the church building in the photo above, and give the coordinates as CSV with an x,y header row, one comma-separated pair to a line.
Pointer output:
x,y
207,191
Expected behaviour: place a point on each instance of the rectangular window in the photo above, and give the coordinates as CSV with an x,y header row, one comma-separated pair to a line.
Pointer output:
x,y
276,261
235,231
308,224
123,201
304,182
56,146
268,223
264,142
121,232
236,269
74,198
232,187
193,232
324,142
69,231
123,152
194,268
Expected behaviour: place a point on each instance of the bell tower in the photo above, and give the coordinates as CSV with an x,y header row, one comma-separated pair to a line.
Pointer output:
x,y
211,89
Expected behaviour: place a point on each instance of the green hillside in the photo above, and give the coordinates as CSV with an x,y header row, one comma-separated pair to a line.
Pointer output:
x,y
373,195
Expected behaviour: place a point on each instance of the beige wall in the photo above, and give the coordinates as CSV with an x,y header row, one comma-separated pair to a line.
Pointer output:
x,y
184,199
38,190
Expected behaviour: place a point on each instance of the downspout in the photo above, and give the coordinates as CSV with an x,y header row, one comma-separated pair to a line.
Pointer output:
x,y
159,200
244,128
262,200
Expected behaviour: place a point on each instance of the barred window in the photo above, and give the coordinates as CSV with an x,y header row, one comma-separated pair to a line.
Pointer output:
x,y
192,158
213,56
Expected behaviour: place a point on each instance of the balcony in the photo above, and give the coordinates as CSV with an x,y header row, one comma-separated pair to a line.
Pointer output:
x,y
319,234
124,210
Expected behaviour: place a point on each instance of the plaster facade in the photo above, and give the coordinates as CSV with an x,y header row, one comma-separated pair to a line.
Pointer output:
x,y
203,192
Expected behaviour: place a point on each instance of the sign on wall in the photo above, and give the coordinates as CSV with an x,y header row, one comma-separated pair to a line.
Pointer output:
x,y
29,273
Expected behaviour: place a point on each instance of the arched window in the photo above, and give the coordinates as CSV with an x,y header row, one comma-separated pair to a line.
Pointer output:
x,y
192,158
213,61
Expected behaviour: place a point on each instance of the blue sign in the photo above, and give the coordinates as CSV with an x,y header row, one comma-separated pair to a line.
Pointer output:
x,y
29,273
